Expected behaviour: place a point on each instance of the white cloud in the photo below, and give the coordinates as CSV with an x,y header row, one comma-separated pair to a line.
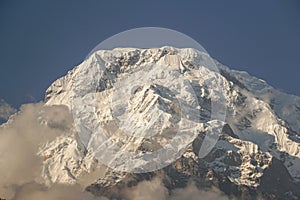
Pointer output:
x,y
154,189
19,143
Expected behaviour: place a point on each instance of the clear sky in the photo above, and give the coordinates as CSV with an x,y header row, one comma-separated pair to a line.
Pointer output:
x,y
41,40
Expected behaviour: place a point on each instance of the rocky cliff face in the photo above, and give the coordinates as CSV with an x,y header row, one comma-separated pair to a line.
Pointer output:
x,y
257,153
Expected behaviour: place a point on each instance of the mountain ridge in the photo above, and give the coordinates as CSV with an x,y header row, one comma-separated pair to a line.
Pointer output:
x,y
260,133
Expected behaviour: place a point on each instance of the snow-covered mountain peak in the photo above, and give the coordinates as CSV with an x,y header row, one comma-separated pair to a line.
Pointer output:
x,y
141,98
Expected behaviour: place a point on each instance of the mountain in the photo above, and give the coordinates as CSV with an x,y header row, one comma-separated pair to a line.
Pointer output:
x,y
141,99
5,111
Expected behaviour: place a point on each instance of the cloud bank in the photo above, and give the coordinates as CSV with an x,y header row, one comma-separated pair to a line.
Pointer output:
x,y
154,189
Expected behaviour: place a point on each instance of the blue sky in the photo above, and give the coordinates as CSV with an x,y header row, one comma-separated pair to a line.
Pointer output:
x,y
41,40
